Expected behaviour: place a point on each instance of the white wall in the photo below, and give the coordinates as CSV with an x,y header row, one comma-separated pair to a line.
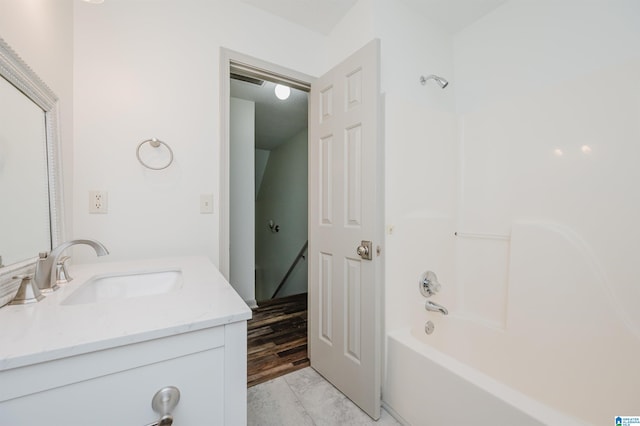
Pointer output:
x,y
413,46
41,32
151,69
261,158
353,31
420,157
537,45
283,199
241,198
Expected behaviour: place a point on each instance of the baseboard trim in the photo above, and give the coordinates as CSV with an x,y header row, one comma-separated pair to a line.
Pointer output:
x,y
394,414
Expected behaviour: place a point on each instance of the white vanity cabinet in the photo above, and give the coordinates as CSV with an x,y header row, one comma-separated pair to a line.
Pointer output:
x,y
116,385
101,363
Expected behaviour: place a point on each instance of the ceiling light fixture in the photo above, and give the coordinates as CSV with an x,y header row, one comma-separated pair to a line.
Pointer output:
x,y
94,1
282,92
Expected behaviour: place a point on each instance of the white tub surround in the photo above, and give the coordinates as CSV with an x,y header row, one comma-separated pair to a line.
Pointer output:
x,y
121,351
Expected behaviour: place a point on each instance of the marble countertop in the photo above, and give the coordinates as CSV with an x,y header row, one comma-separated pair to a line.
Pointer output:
x,y
49,330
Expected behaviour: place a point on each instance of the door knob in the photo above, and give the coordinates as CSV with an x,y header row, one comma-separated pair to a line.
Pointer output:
x,y
364,250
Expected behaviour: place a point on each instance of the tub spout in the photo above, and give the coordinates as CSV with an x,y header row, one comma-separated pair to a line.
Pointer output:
x,y
434,307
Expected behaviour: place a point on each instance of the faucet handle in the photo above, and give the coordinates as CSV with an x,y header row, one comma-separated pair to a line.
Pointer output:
x,y
28,292
62,275
43,273
428,283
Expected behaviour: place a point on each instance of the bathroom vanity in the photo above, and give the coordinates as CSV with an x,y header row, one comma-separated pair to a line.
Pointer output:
x,y
97,350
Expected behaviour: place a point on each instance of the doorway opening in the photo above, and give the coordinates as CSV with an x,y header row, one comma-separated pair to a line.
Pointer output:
x,y
280,140
268,140
268,213
238,204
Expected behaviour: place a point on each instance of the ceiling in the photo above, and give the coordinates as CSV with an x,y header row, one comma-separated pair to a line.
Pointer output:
x,y
322,15
317,15
276,120
454,15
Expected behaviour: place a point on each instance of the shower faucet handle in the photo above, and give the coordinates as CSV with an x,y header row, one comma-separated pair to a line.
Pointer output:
x,y
428,284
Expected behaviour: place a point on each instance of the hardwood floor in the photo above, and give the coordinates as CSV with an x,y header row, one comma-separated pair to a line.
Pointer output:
x,y
277,338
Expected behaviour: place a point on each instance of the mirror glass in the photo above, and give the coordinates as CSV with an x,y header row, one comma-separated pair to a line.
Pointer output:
x,y
24,217
30,217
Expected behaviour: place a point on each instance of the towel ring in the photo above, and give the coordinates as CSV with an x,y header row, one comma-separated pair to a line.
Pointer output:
x,y
154,143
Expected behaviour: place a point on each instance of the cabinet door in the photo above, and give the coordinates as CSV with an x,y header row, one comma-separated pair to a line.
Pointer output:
x,y
124,398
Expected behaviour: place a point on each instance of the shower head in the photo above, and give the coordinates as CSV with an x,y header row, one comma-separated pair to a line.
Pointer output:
x,y
439,80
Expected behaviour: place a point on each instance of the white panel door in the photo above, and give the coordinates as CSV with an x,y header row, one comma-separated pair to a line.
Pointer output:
x,y
344,289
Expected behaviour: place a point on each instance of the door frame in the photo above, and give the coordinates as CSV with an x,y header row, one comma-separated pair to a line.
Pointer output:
x,y
273,72
256,68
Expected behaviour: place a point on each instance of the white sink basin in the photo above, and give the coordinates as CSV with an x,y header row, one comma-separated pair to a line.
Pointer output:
x,y
126,285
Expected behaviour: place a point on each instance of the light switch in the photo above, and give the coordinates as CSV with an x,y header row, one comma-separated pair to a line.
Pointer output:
x,y
206,203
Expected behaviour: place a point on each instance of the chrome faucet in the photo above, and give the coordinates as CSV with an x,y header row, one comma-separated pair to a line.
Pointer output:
x,y
429,285
45,275
434,307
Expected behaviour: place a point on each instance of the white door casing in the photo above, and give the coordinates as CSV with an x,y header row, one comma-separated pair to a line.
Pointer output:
x,y
345,329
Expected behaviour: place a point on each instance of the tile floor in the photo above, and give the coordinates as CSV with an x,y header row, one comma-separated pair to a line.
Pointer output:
x,y
305,398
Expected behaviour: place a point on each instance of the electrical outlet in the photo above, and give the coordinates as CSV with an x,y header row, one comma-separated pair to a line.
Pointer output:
x,y
98,202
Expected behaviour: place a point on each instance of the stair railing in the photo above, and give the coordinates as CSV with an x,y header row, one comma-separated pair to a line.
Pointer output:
x,y
293,265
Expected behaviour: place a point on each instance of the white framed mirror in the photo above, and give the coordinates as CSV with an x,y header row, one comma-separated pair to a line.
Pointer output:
x,y
31,217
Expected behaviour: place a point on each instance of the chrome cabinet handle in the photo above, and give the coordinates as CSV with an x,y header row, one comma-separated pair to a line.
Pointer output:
x,y
166,420
163,403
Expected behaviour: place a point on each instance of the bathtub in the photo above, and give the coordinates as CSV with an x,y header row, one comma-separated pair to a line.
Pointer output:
x,y
547,339
425,386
